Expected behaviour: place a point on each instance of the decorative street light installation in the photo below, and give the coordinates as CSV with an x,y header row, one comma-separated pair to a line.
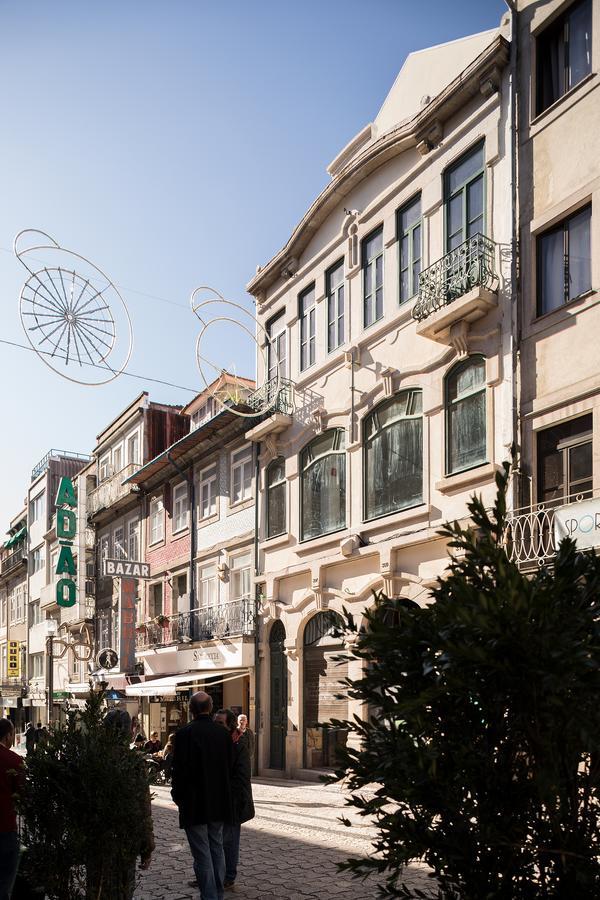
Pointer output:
x,y
72,314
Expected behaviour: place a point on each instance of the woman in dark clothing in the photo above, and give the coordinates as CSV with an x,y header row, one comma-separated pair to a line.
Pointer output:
x,y
241,786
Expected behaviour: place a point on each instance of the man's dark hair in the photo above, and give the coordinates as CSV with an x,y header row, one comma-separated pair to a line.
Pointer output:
x,y
200,705
39,725
230,718
6,727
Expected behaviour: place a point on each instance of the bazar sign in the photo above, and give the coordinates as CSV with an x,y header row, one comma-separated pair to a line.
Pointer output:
x,y
66,529
580,522
125,568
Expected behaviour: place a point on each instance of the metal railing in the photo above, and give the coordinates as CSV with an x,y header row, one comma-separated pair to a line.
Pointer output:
x,y
529,538
275,395
471,264
56,454
224,620
111,489
15,559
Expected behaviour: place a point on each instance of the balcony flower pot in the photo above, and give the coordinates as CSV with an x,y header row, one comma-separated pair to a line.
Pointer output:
x,y
140,629
162,621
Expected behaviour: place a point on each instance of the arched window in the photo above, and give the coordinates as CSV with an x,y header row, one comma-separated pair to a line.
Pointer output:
x,y
393,455
325,627
323,484
276,487
466,432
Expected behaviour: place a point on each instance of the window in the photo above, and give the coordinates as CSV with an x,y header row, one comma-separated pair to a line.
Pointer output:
x,y
208,492
104,546
564,261
202,414
240,577
133,448
181,601
37,559
133,539
119,550
277,347
276,491
207,585
155,600
241,475
307,313
564,461
35,613
564,54
104,468
372,265
37,507
463,193
466,432
393,455
3,606
117,458
37,665
323,479
156,520
16,604
408,226
180,507
334,285
103,618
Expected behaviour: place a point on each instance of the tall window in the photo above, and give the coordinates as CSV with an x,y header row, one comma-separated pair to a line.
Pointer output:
x,y
208,492
133,539
565,261
118,458
180,507
564,461
323,480
372,265
307,312
240,577
104,546
155,600
157,520
466,431
3,606
119,548
409,239
276,506
393,455
16,604
207,584
241,475
334,282
35,613
37,665
104,467
564,54
133,447
277,346
37,559
463,192
202,414
37,508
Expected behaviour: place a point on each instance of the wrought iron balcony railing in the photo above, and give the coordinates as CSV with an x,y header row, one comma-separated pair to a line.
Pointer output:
x,y
276,394
15,559
529,538
232,619
111,490
56,454
471,264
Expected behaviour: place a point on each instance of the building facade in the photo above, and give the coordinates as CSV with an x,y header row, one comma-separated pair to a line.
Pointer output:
x,y
13,621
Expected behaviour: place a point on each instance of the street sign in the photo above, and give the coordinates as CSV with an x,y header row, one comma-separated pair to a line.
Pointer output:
x,y
125,568
107,658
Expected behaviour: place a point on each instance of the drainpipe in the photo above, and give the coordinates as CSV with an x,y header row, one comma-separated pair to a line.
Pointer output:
x,y
256,616
190,481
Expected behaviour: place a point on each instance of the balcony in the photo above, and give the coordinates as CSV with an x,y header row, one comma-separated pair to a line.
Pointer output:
x,y
56,454
111,492
275,399
455,291
232,619
16,558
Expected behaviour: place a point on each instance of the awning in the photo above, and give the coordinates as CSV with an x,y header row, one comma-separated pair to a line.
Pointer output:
x,y
168,685
78,687
16,537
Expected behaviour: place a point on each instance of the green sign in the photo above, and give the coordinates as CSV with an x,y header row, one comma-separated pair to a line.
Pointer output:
x,y
66,529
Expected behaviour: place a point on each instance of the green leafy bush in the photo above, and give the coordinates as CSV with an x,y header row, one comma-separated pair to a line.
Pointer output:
x,y
484,747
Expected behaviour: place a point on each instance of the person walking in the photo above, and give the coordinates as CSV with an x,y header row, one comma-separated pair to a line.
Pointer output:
x,y
11,782
201,789
243,803
246,734
29,738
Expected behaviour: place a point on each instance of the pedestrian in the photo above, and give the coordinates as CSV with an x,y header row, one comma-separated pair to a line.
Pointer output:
x,y
30,738
246,734
243,804
201,789
11,783
153,745
166,756
38,733
138,743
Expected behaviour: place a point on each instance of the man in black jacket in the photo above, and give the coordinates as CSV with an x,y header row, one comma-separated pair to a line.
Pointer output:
x,y
201,779
243,804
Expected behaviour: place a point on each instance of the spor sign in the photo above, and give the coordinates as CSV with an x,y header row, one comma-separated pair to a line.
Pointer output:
x,y
125,568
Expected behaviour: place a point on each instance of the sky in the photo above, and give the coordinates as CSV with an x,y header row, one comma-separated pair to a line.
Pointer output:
x,y
175,143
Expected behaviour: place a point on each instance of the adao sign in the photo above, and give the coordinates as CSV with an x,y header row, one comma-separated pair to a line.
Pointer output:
x,y
579,521
66,530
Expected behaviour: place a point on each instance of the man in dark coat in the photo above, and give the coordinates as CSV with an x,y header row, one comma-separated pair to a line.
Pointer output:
x,y
243,803
201,779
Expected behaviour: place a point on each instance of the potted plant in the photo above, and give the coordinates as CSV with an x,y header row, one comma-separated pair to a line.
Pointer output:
x,y
162,621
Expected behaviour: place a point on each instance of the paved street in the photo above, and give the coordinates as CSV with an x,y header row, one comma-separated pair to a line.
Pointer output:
x,y
289,851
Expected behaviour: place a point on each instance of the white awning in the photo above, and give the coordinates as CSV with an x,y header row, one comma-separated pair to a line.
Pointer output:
x,y
169,684
78,687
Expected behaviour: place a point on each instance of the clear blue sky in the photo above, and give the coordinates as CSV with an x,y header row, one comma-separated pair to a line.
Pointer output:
x,y
176,143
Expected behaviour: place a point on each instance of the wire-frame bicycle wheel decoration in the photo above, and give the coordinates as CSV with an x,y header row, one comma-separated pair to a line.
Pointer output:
x,y
211,308
73,315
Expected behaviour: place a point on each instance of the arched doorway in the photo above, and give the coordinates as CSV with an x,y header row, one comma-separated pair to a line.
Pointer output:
x,y
322,673
278,696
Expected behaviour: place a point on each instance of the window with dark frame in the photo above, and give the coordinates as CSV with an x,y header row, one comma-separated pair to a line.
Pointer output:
x,y
564,54
565,461
277,346
372,266
334,286
276,496
323,484
408,223
564,262
464,197
466,416
308,313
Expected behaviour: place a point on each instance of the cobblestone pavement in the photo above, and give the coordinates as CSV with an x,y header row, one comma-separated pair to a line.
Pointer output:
x,y
289,851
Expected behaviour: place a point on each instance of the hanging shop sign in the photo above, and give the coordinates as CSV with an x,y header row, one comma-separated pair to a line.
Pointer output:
x,y
66,529
14,659
580,522
108,658
125,568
